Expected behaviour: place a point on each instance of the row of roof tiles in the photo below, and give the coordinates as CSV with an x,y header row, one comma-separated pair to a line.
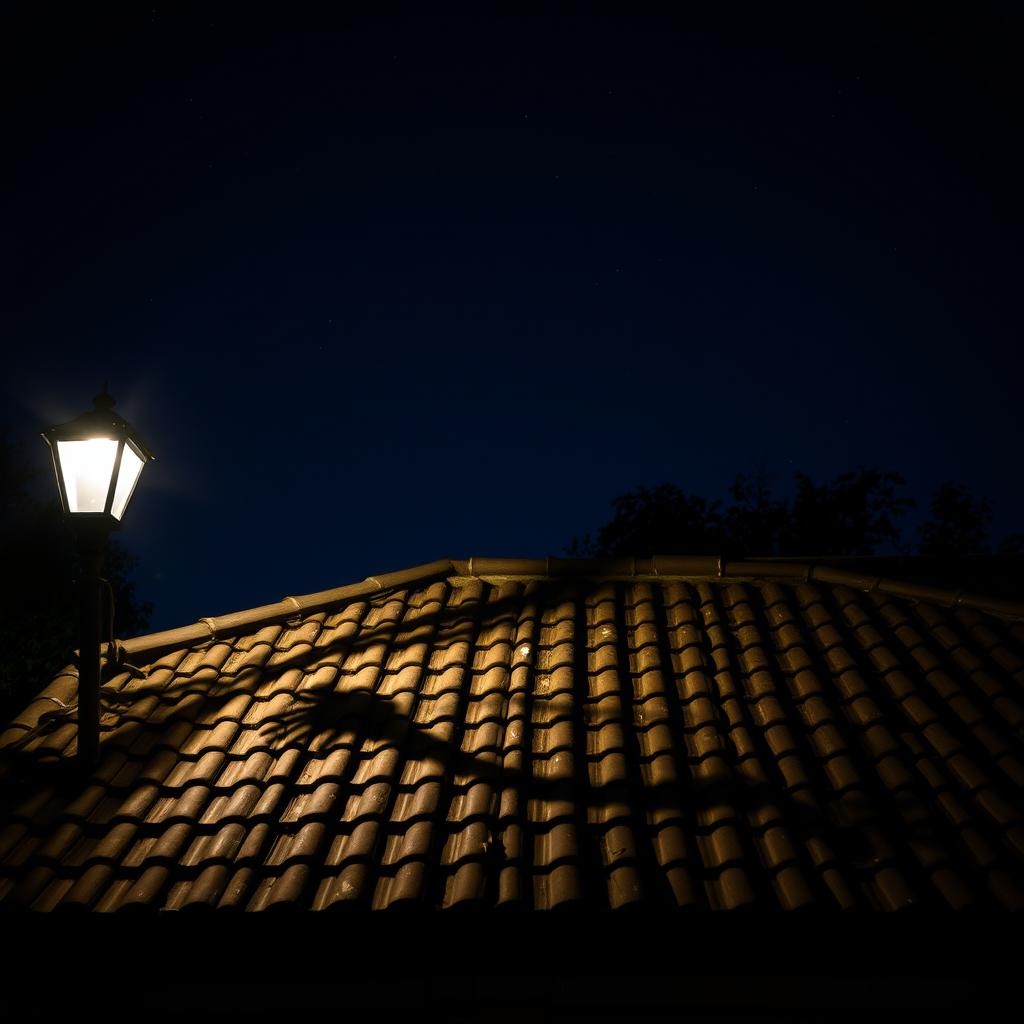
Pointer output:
x,y
544,743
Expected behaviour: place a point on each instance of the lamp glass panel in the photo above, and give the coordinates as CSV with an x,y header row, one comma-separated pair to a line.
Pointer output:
x,y
86,467
131,467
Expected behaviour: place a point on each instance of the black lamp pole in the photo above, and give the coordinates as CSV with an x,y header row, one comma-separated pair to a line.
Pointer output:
x,y
92,543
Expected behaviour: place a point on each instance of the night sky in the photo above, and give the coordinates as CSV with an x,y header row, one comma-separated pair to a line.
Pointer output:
x,y
384,289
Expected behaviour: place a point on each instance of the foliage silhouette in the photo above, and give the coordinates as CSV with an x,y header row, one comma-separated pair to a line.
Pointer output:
x,y
656,519
960,525
857,513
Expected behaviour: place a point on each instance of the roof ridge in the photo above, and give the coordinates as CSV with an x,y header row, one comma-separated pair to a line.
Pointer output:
x,y
807,570
210,628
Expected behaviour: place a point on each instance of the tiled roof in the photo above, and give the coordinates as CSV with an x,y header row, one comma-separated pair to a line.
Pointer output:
x,y
539,734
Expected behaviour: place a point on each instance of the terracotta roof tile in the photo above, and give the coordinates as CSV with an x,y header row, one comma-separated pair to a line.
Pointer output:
x,y
541,742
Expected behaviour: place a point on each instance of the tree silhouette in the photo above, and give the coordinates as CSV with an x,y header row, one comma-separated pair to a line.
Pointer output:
x,y
959,523
755,521
656,519
856,513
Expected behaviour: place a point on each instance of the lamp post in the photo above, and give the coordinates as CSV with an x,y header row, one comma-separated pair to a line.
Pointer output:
x,y
97,459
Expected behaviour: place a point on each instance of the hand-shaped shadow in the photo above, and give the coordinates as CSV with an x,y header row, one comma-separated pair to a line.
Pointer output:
x,y
356,717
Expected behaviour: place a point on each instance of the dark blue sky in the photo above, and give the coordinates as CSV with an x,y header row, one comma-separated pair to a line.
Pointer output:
x,y
379,290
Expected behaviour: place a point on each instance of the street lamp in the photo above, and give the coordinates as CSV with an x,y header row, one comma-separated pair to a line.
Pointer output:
x,y
97,459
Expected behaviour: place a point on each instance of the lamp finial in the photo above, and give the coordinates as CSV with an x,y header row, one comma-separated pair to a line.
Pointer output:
x,y
103,400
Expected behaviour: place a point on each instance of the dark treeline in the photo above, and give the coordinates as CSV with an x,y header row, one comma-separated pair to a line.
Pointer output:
x,y
857,513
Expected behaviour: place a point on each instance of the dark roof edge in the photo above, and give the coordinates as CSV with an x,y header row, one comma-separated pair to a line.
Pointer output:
x,y
678,566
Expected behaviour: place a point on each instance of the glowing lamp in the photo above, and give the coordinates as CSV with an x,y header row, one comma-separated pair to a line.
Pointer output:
x,y
97,459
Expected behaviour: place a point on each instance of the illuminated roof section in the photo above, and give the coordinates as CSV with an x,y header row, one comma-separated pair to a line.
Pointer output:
x,y
542,733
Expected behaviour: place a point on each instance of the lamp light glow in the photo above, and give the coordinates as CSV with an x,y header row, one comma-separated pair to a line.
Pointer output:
x,y
97,459
87,467
131,469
